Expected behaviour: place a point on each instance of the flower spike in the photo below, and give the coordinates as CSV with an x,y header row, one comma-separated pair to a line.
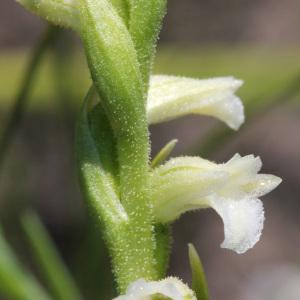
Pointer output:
x,y
231,189
171,287
171,97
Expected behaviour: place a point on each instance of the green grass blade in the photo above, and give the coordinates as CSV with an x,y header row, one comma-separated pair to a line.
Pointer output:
x,y
54,270
15,281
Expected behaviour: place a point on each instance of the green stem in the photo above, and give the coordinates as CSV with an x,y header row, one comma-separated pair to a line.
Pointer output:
x,y
145,22
57,276
18,110
115,72
98,185
15,282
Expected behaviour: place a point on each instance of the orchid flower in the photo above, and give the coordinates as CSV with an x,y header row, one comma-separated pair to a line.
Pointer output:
x,y
231,189
171,287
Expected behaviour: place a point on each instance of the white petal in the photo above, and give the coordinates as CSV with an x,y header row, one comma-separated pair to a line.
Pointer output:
x,y
170,287
241,171
261,185
244,178
243,222
171,97
248,164
182,184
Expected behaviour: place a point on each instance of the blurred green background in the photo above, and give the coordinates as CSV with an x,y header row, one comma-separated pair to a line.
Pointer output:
x,y
257,41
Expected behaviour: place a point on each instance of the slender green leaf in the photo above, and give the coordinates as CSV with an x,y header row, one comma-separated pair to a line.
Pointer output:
x,y
199,284
57,276
15,281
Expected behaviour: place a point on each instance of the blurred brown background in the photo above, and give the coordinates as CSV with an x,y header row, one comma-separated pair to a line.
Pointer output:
x,y
259,39
190,21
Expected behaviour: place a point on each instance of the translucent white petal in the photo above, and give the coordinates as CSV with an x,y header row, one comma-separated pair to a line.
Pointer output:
x,y
246,165
170,287
243,222
171,97
261,185
232,189
244,180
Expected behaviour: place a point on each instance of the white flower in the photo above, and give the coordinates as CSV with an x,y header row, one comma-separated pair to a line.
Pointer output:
x,y
231,189
171,97
170,287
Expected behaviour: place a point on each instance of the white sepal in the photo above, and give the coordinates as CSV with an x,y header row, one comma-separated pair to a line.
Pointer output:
x,y
171,97
170,287
231,189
